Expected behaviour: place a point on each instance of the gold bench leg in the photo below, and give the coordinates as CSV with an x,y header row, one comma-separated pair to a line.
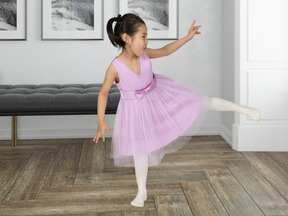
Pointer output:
x,y
14,131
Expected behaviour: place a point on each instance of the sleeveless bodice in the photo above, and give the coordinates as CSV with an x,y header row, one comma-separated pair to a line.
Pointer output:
x,y
129,80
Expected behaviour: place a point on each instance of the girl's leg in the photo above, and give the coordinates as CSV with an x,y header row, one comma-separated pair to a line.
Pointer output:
x,y
141,171
219,104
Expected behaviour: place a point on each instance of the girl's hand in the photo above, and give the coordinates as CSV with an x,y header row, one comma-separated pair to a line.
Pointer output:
x,y
193,30
101,131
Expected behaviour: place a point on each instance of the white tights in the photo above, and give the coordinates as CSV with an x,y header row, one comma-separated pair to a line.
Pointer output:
x,y
141,162
141,170
219,104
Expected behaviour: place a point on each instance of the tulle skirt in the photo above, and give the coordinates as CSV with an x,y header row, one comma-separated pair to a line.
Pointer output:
x,y
150,124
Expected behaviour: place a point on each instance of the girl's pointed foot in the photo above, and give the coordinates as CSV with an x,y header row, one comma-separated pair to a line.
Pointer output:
x,y
140,199
254,114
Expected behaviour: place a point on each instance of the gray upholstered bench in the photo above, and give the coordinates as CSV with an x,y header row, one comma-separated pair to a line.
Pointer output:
x,y
69,99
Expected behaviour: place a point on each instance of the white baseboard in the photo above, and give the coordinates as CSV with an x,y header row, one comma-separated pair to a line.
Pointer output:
x,y
260,137
80,133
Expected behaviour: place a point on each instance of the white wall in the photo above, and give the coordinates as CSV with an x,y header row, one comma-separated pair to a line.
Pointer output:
x,y
227,66
37,62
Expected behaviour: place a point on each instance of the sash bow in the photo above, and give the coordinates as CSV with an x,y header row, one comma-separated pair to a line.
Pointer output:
x,y
138,94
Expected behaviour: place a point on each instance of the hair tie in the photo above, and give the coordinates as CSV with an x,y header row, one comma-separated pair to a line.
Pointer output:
x,y
118,17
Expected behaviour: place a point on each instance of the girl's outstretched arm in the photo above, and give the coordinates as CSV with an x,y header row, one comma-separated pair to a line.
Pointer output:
x,y
172,47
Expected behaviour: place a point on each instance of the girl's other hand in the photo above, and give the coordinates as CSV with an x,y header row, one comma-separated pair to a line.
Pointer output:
x,y
193,30
101,131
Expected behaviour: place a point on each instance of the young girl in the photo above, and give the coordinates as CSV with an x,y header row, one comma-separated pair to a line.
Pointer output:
x,y
153,110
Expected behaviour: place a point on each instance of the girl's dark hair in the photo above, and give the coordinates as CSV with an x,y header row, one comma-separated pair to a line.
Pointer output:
x,y
128,23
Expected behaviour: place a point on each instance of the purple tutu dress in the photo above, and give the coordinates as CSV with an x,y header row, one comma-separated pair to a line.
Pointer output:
x,y
153,111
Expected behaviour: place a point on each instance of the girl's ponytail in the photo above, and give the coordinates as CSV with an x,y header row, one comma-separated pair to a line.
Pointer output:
x,y
113,36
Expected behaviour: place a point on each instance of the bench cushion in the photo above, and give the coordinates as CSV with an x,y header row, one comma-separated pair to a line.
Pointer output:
x,y
69,99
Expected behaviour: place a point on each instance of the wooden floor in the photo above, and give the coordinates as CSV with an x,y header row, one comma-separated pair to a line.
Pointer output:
x,y
77,177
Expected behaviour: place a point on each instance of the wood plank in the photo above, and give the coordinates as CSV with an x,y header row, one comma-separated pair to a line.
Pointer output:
x,y
175,176
5,143
189,164
44,142
31,179
206,147
70,207
126,213
106,214
232,195
277,176
140,213
28,148
104,177
92,158
153,176
93,214
195,139
202,199
281,158
64,168
203,144
261,191
14,156
107,190
199,139
9,170
112,169
206,156
172,205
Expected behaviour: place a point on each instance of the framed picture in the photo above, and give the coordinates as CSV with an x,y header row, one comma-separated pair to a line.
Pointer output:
x,y
160,16
72,19
12,19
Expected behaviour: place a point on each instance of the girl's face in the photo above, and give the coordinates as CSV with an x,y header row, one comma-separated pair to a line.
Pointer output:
x,y
138,43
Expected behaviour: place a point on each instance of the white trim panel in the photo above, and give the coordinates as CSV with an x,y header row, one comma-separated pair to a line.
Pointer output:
x,y
268,137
